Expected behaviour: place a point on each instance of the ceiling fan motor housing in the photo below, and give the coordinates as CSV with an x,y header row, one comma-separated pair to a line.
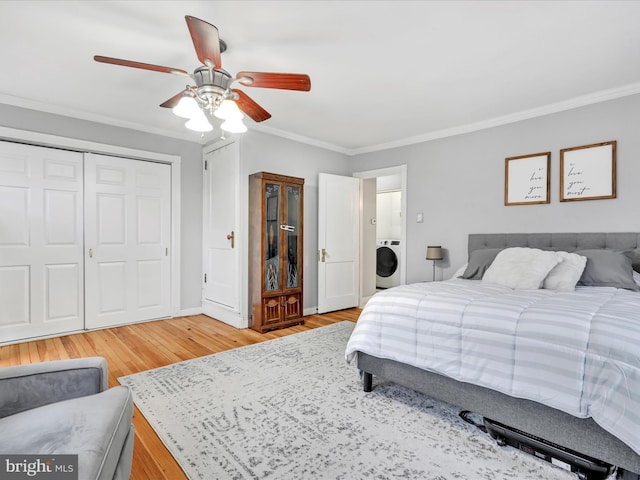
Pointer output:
x,y
212,84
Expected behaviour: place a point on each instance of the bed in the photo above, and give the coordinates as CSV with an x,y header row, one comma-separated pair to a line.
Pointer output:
x,y
562,365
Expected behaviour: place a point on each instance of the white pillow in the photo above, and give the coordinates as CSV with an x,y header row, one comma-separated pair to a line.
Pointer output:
x,y
564,276
460,271
521,268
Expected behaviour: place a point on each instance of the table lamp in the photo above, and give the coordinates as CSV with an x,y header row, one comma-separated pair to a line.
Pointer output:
x,y
434,253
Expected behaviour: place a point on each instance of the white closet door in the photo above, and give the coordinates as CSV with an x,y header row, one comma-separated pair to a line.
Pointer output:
x,y
127,240
41,274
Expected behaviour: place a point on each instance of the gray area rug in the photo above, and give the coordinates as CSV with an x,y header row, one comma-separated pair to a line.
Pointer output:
x,y
291,408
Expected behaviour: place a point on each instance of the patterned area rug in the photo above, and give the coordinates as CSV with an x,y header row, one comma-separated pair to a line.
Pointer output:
x,y
291,408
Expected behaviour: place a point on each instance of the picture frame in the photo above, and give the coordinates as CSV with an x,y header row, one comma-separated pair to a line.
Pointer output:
x,y
588,172
526,179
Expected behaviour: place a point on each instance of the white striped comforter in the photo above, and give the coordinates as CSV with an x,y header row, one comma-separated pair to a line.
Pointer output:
x,y
575,351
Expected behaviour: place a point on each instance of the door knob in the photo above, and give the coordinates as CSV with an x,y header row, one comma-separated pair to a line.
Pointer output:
x,y
231,237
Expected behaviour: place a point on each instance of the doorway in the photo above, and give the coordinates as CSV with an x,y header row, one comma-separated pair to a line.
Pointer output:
x,y
384,192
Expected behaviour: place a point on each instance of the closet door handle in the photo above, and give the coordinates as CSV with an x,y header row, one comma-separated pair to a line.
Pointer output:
x,y
231,237
324,254
91,253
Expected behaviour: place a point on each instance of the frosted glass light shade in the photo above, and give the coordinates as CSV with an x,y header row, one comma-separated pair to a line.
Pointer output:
x,y
199,123
228,110
187,107
234,126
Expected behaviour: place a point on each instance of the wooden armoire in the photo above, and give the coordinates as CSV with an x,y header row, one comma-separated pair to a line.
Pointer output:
x,y
275,250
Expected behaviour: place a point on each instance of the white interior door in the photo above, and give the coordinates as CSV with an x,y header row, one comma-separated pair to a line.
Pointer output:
x,y
127,240
338,240
221,289
41,274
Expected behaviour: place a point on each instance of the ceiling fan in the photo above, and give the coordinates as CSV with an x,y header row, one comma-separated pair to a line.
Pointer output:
x,y
213,92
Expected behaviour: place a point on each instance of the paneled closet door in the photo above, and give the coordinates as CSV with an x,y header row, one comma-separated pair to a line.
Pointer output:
x,y
41,271
127,240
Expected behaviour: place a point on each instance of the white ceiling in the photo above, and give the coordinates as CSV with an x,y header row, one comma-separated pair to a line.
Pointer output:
x,y
383,73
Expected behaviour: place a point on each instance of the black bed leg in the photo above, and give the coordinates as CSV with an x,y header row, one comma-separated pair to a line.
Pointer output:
x,y
367,381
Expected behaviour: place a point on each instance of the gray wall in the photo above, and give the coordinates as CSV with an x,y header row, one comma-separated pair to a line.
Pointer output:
x,y
191,177
458,182
267,153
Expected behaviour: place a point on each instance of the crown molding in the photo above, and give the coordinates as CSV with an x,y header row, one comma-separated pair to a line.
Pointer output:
x,y
300,138
92,117
576,102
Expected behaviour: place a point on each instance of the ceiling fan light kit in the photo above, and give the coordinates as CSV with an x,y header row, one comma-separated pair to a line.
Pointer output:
x,y
199,123
212,93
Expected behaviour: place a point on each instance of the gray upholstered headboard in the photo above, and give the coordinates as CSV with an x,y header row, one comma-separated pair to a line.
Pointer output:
x,y
559,241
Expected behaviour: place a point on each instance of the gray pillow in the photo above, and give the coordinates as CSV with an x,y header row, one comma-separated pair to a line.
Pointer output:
x,y
479,262
608,268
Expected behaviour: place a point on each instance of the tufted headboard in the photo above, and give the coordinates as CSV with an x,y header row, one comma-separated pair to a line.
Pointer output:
x,y
567,242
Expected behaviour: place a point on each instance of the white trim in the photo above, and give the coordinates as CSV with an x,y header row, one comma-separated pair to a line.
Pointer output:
x,y
188,312
302,139
181,134
47,140
224,314
576,102
309,311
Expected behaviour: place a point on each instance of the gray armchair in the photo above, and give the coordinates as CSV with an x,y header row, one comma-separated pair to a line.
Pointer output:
x,y
66,407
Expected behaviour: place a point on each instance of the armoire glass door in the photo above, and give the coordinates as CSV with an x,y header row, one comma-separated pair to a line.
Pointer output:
x,y
292,227
272,238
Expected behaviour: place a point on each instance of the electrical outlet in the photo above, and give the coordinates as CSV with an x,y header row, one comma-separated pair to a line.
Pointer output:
x,y
419,217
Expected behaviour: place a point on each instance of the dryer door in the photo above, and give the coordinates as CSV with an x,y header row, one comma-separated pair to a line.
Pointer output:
x,y
386,262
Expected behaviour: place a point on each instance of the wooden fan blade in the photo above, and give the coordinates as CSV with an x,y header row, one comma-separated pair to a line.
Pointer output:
x,y
144,66
205,40
173,101
283,81
250,107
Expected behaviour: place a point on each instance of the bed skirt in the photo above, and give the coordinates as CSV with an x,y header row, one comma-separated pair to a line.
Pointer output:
x,y
580,434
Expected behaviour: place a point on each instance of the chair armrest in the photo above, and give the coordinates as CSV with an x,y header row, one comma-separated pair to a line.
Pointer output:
x,y
24,387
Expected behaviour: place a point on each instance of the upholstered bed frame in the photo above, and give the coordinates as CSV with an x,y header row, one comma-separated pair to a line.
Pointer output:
x,y
581,435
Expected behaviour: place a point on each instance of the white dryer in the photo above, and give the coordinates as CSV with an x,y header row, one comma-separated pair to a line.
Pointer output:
x,y
387,263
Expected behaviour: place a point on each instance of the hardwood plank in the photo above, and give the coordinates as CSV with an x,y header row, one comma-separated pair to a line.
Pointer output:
x,y
143,346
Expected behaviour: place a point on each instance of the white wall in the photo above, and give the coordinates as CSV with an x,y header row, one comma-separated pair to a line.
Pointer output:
x,y
458,182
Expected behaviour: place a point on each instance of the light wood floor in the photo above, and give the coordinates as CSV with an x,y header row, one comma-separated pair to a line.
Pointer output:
x,y
139,347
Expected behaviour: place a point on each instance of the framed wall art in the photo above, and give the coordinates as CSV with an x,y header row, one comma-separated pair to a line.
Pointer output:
x,y
588,172
526,179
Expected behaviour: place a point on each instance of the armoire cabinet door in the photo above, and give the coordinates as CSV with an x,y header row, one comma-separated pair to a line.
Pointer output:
x,y
275,244
271,228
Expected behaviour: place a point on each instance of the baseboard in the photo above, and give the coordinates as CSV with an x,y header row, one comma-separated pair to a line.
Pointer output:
x,y
224,314
186,312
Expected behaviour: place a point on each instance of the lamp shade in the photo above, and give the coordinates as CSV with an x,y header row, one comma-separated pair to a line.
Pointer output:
x,y
434,253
